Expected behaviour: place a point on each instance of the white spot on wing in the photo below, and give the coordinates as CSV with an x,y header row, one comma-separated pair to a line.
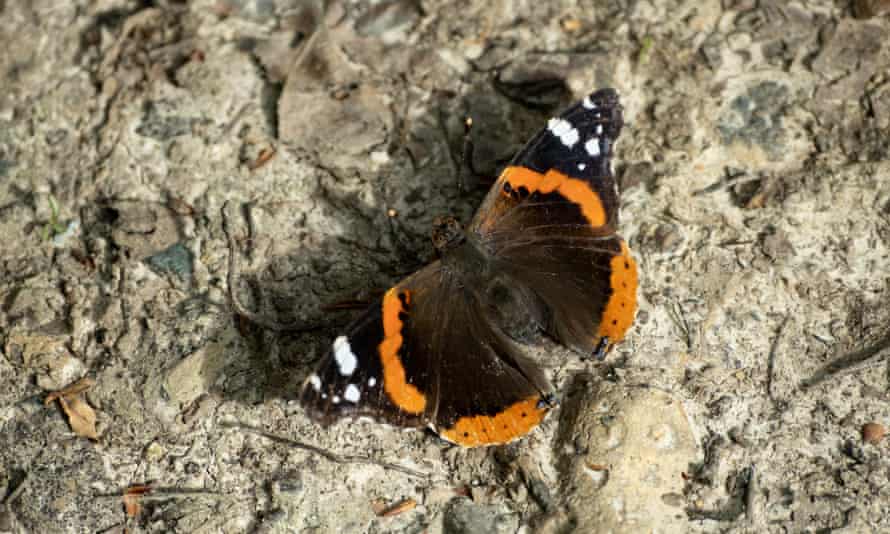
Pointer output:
x,y
372,382
564,130
599,129
593,146
346,360
335,399
588,103
352,393
315,381
582,166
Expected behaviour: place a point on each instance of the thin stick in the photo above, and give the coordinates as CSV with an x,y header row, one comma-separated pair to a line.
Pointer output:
x,y
771,359
160,494
852,363
750,495
234,275
18,490
326,454
680,322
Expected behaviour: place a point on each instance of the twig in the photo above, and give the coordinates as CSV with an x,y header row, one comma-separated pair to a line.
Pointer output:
x,y
326,454
680,322
160,494
726,182
851,363
17,491
750,495
232,278
771,359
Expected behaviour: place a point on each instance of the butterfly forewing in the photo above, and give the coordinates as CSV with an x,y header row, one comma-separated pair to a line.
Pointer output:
x,y
551,217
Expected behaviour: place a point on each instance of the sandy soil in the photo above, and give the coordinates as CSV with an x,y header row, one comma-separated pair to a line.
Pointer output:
x,y
755,184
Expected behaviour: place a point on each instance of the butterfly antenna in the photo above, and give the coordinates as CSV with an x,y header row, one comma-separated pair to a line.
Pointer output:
x,y
466,157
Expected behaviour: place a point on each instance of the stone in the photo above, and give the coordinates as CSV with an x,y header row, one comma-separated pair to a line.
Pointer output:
x,y
629,450
49,357
193,376
465,517
175,259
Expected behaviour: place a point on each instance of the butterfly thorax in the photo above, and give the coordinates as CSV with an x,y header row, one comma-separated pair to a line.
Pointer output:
x,y
447,234
461,253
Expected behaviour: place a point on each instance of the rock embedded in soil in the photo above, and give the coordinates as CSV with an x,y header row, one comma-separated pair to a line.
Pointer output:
x,y
626,449
873,433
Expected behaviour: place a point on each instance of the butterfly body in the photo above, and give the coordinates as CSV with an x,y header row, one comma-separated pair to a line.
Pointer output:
x,y
444,348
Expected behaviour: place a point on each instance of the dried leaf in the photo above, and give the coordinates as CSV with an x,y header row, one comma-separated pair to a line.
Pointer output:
x,y
378,506
864,9
81,416
398,508
571,25
596,467
133,498
78,387
265,155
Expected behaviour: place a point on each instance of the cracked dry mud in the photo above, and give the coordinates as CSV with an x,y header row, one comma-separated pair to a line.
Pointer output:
x,y
755,184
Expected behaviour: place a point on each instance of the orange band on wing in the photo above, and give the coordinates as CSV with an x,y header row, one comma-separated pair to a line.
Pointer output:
x,y
515,421
577,191
404,395
622,306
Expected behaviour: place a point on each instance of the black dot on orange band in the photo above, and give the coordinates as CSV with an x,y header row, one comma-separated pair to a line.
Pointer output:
x,y
614,321
626,265
466,434
523,414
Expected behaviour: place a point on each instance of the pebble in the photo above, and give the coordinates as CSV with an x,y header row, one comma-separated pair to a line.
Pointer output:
x,y
636,443
873,433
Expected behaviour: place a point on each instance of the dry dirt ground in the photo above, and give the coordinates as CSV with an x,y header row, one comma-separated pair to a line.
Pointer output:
x,y
755,184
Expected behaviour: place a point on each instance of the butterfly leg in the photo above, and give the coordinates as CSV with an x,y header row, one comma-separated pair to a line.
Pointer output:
x,y
548,401
599,353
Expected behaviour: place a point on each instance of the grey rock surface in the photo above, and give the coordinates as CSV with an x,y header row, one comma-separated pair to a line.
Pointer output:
x,y
625,453
755,184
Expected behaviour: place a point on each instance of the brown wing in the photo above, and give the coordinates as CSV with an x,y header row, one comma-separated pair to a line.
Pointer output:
x,y
551,218
428,355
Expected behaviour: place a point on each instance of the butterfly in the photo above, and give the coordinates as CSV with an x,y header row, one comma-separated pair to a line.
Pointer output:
x,y
444,348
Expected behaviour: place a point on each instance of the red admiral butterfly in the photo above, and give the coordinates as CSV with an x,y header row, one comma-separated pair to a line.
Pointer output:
x,y
442,349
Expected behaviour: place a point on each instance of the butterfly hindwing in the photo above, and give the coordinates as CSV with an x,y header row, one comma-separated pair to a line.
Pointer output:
x,y
429,354
489,391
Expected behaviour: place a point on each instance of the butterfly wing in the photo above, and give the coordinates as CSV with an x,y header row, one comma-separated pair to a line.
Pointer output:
x,y
376,368
489,392
427,355
550,219
440,349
